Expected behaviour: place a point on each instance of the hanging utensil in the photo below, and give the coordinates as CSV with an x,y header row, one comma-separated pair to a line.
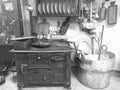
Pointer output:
x,y
103,12
90,11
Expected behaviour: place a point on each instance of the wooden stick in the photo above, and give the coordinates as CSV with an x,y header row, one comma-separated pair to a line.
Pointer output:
x,y
101,39
92,42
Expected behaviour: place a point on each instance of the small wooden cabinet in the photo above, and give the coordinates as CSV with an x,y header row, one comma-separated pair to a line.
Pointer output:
x,y
43,67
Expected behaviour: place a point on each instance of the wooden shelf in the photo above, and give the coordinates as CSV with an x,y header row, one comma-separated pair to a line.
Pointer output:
x,y
57,15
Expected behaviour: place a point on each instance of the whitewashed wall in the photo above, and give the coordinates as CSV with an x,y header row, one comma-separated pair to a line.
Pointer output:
x,y
112,35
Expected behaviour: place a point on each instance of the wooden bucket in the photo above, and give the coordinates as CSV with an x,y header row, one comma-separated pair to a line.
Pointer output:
x,y
95,73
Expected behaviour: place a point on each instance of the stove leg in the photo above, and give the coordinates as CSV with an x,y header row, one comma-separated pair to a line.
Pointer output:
x,y
20,86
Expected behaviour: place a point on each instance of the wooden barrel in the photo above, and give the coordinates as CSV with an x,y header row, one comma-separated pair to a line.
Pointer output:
x,y
95,73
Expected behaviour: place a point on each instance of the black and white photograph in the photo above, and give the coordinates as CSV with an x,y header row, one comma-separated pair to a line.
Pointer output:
x,y
59,45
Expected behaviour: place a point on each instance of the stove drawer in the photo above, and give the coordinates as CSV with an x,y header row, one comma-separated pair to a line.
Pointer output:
x,y
37,78
59,78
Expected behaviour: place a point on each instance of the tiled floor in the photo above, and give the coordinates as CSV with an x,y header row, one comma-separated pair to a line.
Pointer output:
x,y
11,84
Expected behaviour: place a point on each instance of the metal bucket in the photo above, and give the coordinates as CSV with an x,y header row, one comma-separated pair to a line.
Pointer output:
x,y
95,73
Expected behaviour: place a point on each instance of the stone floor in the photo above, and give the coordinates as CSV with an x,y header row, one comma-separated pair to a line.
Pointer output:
x,y
11,83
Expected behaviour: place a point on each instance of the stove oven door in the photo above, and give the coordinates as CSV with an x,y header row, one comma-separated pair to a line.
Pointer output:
x,y
37,76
